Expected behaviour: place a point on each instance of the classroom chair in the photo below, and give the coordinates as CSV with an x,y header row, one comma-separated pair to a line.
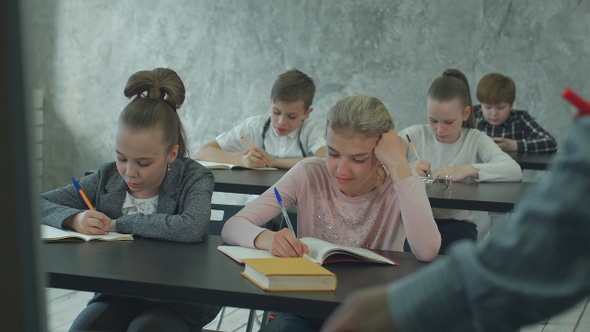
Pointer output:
x,y
215,226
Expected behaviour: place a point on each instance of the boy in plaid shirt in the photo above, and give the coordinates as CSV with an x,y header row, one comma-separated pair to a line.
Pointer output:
x,y
512,130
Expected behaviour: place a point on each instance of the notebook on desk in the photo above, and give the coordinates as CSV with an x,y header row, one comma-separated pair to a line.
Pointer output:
x,y
320,252
52,234
220,165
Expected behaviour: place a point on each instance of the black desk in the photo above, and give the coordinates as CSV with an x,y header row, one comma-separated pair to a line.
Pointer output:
x,y
253,182
534,161
478,196
198,273
485,196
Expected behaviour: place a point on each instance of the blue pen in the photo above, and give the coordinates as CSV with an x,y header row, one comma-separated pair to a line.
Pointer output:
x,y
280,200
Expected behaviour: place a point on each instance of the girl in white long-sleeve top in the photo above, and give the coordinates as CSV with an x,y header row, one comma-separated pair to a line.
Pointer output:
x,y
450,145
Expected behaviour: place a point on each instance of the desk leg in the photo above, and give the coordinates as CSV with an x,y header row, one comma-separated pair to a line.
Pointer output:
x,y
251,318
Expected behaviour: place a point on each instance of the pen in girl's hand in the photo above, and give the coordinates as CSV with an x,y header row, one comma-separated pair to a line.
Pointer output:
x,y
284,211
82,194
413,148
84,197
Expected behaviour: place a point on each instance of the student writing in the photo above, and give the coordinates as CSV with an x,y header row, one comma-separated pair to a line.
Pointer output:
x,y
152,190
281,138
535,266
513,130
449,145
363,194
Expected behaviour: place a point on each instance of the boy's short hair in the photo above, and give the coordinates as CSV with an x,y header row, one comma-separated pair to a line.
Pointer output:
x,y
495,88
292,86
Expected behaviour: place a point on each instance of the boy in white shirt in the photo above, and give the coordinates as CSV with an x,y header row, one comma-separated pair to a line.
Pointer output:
x,y
280,139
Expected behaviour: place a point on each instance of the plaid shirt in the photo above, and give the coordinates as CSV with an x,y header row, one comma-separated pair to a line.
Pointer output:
x,y
522,128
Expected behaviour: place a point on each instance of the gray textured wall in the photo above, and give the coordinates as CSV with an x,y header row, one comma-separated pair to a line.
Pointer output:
x,y
229,53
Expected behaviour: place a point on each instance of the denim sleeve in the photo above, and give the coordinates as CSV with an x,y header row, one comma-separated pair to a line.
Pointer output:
x,y
536,265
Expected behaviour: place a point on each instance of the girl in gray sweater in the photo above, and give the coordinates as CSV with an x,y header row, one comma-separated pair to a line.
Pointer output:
x,y
153,190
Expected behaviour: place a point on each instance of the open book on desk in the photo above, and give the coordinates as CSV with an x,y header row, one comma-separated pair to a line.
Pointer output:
x,y
320,252
52,234
220,165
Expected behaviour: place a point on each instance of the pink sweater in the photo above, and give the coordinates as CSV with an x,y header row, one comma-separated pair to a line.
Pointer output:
x,y
369,221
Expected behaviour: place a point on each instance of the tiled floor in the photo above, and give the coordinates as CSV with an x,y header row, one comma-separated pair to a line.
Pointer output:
x,y
64,305
575,319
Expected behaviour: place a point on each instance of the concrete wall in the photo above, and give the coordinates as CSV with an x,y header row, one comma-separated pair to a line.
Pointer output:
x,y
229,52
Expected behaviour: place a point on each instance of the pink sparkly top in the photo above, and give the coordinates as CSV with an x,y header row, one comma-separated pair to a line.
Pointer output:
x,y
369,221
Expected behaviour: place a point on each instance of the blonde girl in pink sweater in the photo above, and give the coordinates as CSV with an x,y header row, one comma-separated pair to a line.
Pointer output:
x,y
360,195
363,194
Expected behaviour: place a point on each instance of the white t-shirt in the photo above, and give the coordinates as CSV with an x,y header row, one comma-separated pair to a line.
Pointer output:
x,y
312,138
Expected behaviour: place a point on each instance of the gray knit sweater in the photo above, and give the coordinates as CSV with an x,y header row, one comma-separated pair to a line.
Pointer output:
x,y
184,203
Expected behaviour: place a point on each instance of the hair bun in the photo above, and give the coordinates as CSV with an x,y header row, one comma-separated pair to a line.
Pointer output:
x,y
155,93
453,73
160,83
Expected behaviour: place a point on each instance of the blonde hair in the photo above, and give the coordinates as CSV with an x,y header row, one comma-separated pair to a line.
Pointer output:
x,y
361,115
157,95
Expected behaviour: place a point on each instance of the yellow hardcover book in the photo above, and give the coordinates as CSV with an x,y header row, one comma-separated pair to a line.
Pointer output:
x,y
288,274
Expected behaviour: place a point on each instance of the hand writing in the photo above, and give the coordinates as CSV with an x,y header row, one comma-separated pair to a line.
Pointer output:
x,y
285,244
90,222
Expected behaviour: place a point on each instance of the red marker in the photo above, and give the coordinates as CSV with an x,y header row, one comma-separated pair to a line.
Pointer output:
x,y
582,105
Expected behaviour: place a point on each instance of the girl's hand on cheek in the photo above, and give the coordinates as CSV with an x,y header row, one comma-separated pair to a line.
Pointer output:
x,y
390,150
390,147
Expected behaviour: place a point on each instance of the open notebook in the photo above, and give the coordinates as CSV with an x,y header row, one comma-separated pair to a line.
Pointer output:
x,y
320,252
220,165
52,234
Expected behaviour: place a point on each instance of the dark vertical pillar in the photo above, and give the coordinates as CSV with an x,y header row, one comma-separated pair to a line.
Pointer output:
x,y
21,295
